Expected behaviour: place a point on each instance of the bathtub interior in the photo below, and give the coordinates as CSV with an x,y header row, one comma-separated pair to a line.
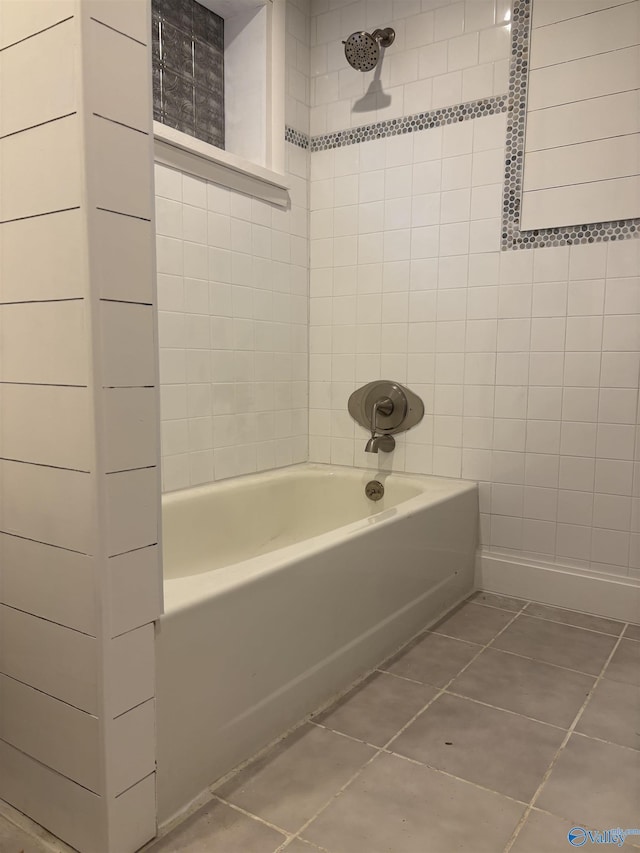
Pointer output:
x,y
214,526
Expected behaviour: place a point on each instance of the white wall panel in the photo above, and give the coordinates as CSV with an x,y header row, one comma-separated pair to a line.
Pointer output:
x,y
122,182
131,19
135,590
132,510
44,342
49,657
550,11
30,93
128,344
134,756
26,569
591,77
611,29
50,505
39,169
67,809
44,257
585,162
53,732
108,80
61,439
131,657
595,118
130,416
601,202
18,21
122,259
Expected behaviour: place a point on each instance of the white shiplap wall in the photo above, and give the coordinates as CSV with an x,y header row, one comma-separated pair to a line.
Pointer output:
x,y
582,149
79,568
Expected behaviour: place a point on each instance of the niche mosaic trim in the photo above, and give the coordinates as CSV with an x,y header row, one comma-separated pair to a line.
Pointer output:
x,y
296,137
188,69
512,237
410,124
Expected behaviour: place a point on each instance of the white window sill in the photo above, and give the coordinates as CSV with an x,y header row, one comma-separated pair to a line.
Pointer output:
x,y
180,151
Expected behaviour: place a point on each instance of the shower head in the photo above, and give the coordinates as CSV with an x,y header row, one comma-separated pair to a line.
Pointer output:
x,y
363,49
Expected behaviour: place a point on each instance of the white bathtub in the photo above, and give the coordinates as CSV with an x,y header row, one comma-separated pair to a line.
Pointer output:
x,y
281,589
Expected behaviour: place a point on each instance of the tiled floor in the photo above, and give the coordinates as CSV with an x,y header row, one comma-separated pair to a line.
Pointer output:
x,y
499,729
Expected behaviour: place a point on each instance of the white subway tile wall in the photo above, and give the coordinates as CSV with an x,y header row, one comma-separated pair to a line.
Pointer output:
x,y
297,65
444,53
233,312
528,361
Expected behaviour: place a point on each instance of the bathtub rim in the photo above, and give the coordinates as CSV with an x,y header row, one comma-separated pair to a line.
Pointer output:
x,y
188,591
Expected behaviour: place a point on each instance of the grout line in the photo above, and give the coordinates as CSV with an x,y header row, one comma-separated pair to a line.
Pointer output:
x,y
279,829
406,678
36,126
505,710
39,215
37,33
571,625
120,32
559,751
44,465
526,657
592,98
615,4
124,124
49,621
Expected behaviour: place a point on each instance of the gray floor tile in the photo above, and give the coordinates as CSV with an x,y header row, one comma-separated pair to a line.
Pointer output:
x,y
300,846
398,806
595,784
529,687
217,828
433,659
543,832
504,602
548,833
287,785
501,751
473,623
377,708
579,620
552,642
16,840
613,713
625,664
632,632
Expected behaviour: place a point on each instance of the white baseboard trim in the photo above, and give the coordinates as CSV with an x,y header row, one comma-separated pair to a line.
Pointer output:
x,y
563,586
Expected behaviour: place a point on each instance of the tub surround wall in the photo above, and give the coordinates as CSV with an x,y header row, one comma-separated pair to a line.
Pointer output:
x,y
528,361
79,561
233,302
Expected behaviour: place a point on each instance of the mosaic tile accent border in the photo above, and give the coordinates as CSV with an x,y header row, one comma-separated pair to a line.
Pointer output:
x,y
410,124
512,237
296,137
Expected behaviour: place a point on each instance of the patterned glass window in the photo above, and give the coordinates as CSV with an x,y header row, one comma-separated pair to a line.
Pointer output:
x,y
188,69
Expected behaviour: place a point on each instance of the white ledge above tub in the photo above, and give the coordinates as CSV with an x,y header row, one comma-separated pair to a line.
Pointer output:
x,y
188,154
